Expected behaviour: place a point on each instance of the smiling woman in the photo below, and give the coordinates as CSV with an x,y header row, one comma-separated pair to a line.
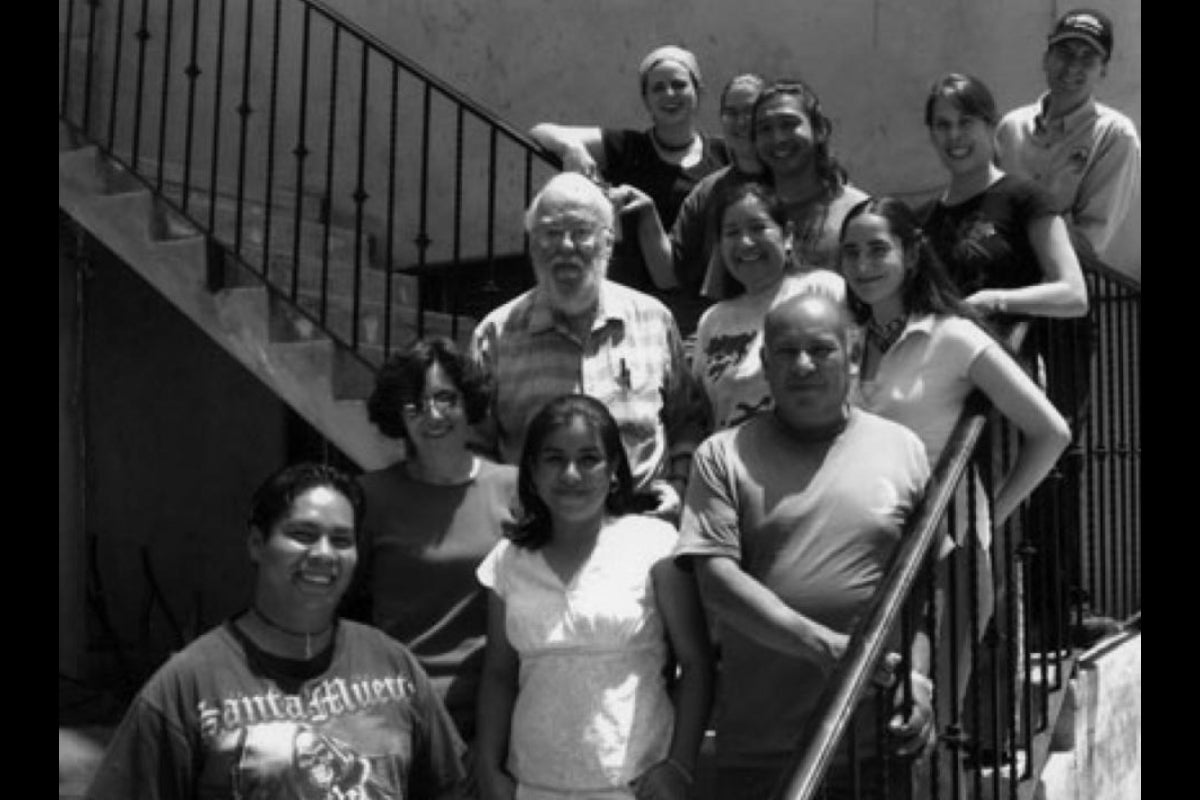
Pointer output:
x,y
285,695
582,598
431,519
753,248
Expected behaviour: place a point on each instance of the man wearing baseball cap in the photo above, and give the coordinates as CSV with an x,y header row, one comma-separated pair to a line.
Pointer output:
x,y
1087,155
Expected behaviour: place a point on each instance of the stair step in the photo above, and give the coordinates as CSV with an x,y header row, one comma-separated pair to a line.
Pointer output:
x,y
80,169
283,242
339,280
283,197
404,320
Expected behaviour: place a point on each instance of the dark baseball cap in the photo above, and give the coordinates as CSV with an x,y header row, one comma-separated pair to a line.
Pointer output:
x,y
1087,25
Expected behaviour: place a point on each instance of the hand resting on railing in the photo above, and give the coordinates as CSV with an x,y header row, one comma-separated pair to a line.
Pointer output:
x,y
914,734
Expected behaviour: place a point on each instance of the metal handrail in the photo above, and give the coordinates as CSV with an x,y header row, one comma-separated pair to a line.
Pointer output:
x,y
123,38
853,674
1097,437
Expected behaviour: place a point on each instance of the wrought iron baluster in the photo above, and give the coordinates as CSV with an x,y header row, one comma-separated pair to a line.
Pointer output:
x,y
422,239
301,150
68,32
216,129
273,105
244,110
391,212
491,213
456,284
143,35
1110,574
192,71
118,50
88,67
360,197
164,95
329,159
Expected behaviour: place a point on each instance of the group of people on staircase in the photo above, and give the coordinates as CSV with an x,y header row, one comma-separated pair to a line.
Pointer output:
x,y
656,495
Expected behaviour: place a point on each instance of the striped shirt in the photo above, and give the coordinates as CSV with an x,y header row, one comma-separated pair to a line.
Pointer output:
x,y
632,361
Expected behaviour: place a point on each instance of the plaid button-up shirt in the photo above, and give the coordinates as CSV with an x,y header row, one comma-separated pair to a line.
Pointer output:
x,y
632,360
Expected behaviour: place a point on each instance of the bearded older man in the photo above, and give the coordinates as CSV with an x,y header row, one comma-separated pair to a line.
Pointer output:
x,y
577,331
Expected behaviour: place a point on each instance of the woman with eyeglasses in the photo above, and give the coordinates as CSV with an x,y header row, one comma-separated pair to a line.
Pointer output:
x,y
658,165
431,518
598,676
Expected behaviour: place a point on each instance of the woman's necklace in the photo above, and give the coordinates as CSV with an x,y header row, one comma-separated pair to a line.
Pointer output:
x,y
672,148
885,335
306,635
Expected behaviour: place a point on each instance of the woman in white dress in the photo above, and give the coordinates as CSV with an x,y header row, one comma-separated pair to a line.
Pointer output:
x,y
597,675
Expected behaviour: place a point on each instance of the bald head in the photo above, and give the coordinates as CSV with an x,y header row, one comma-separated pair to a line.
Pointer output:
x,y
571,189
806,308
805,357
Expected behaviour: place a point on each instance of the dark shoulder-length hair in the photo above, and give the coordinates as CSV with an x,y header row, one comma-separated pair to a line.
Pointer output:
x,y
534,528
830,172
401,381
967,93
926,289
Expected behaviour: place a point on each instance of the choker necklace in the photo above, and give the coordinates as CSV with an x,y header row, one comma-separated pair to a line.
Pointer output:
x,y
671,148
885,336
308,636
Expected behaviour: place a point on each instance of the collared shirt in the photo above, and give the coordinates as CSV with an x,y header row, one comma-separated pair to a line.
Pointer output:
x,y
1089,160
631,360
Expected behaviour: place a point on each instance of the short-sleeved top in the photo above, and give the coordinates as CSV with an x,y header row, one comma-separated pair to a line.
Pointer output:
x,y
223,719
630,157
815,228
1089,161
822,548
592,710
419,545
727,359
984,241
923,381
632,361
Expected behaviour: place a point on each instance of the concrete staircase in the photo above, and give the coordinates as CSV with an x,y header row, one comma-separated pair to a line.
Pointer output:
x,y
321,378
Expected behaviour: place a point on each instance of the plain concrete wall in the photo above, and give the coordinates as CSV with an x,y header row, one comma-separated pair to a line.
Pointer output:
x,y
71,566
178,435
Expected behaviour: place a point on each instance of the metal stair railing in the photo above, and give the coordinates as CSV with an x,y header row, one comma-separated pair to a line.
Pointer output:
x,y
1071,554
304,145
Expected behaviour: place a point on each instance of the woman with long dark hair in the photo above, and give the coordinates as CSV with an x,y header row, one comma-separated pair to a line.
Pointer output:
x,y
597,676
